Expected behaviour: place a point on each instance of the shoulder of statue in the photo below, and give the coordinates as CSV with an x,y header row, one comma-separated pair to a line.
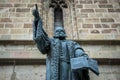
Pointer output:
x,y
71,42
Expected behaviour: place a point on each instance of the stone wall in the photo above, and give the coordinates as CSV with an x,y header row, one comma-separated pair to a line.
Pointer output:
x,y
83,19
94,21
37,72
31,51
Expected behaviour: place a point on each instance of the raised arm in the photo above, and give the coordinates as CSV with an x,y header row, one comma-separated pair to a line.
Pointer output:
x,y
39,35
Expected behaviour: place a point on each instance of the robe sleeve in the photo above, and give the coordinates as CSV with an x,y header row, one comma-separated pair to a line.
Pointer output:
x,y
79,51
84,73
40,37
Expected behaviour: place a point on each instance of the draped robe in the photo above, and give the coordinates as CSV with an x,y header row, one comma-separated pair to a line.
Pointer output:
x,y
59,53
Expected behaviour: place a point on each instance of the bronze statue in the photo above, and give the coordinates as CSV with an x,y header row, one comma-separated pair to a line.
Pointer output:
x,y
59,52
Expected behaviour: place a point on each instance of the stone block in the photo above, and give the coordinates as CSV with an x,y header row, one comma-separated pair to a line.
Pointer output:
x,y
19,5
90,6
9,25
113,15
112,31
87,11
30,5
20,20
5,37
2,1
93,15
79,6
105,25
14,1
116,5
85,1
19,31
28,72
23,10
1,25
6,5
4,31
113,10
92,20
27,25
98,25
107,20
25,1
5,20
37,54
95,31
17,15
82,15
100,1
12,9
115,1
21,37
4,54
117,20
87,26
105,6
83,31
20,54
101,10
6,15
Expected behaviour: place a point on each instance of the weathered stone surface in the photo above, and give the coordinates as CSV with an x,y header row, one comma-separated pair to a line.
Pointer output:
x,y
87,25
87,10
6,5
115,25
5,37
109,31
98,26
92,20
19,5
93,15
1,25
5,20
86,1
100,1
9,25
101,10
105,6
114,10
107,20
22,10
99,13
95,31
31,51
79,6
4,31
37,72
90,6
27,25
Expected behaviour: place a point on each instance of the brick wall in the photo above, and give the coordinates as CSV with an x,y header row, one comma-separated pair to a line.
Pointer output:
x,y
37,72
83,20
102,51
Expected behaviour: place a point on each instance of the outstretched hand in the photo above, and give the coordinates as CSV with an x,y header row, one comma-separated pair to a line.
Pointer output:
x,y
35,12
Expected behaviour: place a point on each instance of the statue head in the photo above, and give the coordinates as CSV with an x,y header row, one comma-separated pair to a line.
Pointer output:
x,y
60,33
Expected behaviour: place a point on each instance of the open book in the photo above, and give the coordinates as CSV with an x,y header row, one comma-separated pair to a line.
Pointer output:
x,y
84,62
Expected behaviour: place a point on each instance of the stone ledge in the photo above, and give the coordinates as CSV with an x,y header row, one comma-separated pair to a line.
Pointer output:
x,y
10,61
31,42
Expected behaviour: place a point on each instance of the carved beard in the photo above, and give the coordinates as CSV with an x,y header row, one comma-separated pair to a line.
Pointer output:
x,y
60,36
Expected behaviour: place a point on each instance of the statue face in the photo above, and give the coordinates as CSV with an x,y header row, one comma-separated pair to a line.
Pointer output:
x,y
60,33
